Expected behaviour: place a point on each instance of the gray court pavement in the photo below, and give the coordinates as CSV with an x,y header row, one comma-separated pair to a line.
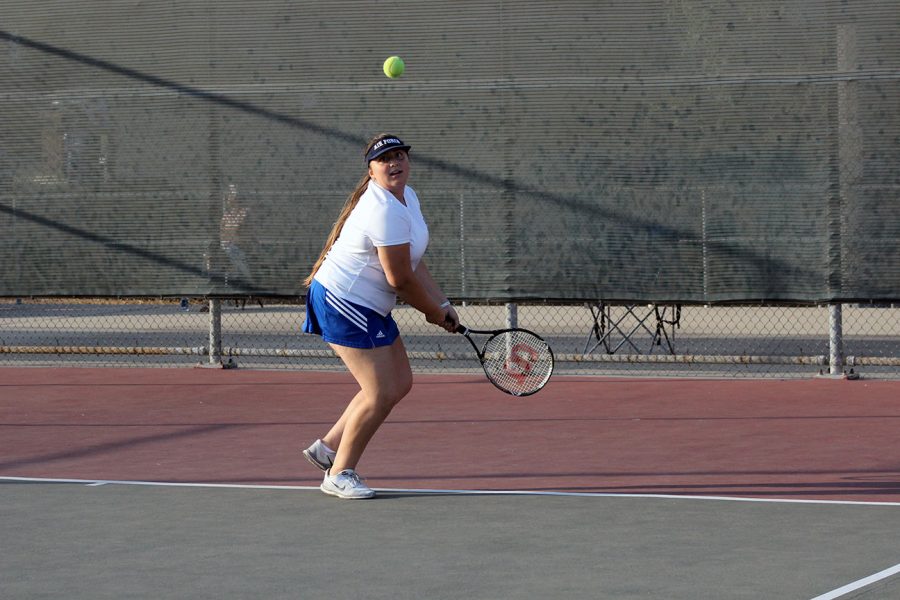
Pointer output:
x,y
78,541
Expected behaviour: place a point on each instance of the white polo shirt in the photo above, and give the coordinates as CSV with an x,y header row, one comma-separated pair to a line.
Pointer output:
x,y
351,269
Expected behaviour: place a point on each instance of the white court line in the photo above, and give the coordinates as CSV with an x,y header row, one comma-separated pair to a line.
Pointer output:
x,y
852,587
101,482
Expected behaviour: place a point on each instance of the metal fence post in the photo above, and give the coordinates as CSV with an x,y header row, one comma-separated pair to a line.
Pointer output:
x,y
512,315
836,344
215,337
835,340
512,321
215,331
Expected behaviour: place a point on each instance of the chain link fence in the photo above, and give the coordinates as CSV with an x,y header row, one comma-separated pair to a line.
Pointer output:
x,y
587,338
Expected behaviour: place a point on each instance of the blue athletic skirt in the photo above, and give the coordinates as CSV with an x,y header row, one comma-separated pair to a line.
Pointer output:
x,y
345,323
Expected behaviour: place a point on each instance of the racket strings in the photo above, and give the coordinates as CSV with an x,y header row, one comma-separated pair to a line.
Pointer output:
x,y
518,361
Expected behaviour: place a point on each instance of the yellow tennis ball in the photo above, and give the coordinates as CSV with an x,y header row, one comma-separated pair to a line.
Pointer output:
x,y
394,67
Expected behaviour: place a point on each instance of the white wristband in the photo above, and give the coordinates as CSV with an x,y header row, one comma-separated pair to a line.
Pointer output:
x,y
446,303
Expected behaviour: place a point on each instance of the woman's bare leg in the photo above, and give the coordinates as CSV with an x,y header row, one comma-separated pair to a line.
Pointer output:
x,y
332,439
384,378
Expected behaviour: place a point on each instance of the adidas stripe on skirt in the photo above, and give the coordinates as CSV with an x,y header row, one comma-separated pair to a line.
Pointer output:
x,y
345,323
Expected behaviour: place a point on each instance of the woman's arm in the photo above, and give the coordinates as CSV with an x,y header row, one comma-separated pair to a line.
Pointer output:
x,y
416,291
434,289
429,283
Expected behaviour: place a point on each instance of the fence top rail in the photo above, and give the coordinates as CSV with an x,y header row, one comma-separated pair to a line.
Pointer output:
x,y
282,299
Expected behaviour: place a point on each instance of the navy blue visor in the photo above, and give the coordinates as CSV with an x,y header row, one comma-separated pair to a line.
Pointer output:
x,y
385,144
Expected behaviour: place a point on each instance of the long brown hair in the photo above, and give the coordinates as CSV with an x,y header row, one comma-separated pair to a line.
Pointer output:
x,y
349,205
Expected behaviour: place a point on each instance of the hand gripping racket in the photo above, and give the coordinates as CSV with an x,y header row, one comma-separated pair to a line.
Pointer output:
x,y
516,361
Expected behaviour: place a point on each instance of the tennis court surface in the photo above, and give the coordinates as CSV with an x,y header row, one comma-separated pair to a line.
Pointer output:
x,y
189,483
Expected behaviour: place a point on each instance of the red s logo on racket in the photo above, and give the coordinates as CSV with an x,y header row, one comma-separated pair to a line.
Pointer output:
x,y
517,361
521,359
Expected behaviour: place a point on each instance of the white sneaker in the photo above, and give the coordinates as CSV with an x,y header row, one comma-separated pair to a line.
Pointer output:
x,y
346,484
320,455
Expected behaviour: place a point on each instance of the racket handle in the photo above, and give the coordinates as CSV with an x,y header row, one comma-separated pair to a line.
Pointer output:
x,y
462,329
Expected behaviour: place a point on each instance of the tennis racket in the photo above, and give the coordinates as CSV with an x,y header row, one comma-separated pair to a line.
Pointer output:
x,y
516,361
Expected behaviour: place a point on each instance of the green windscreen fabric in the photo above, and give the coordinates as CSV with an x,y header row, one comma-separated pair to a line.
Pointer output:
x,y
687,151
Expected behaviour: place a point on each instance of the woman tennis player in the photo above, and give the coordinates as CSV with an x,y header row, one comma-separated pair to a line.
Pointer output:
x,y
372,256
